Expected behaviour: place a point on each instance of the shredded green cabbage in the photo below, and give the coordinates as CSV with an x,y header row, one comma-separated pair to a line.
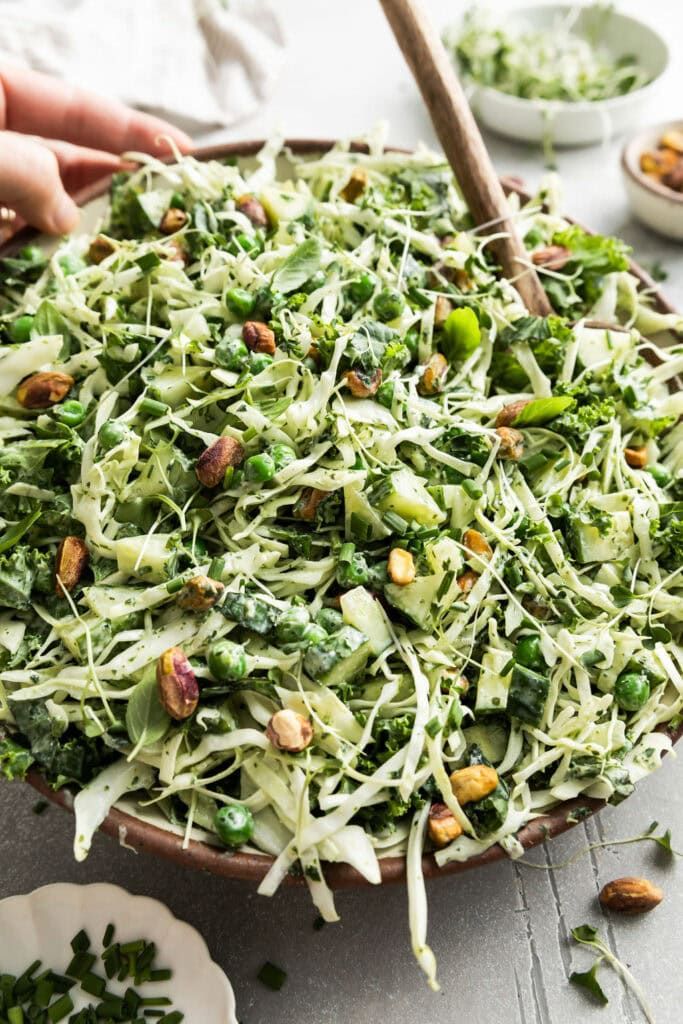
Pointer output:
x,y
539,629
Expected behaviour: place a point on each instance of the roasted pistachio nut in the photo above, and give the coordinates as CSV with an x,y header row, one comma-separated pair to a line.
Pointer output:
x,y
43,390
473,783
258,337
355,186
173,220
442,308
288,730
630,895
509,413
636,457
200,593
401,567
511,443
362,385
434,375
177,684
551,257
100,248
442,825
70,564
214,460
467,580
477,544
253,210
307,505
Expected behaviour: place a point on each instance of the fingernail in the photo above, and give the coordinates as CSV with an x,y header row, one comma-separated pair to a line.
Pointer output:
x,y
65,215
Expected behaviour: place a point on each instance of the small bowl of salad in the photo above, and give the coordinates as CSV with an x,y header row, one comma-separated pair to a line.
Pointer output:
x,y
559,74
652,170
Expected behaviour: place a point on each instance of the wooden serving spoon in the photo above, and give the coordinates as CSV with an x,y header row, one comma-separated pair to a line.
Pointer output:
x,y
463,145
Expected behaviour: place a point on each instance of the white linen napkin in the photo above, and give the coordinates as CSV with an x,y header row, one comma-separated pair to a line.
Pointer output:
x,y
204,62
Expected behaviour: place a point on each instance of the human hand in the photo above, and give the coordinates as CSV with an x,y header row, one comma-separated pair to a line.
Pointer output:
x,y
56,138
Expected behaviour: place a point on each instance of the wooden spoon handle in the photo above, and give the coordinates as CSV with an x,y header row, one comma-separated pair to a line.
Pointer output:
x,y
462,143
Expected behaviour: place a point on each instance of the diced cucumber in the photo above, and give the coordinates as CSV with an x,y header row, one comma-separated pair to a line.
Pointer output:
x,y
597,345
416,599
491,739
145,556
493,687
338,658
408,497
424,598
284,205
593,546
154,204
176,384
361,610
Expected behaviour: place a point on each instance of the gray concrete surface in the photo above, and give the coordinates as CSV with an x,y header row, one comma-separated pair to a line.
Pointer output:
x,y
501,935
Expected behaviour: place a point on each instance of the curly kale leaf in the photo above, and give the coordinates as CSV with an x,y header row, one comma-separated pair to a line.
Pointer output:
x,y
667,533
15,760
579,284
64,755
375,344
22,570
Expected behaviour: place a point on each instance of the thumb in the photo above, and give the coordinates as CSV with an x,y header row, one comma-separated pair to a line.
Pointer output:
x,y
30,184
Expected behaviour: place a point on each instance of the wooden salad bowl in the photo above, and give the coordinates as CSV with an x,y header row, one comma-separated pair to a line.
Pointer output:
x,y
144,836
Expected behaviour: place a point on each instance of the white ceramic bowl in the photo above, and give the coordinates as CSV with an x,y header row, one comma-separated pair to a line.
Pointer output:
x,y
576,124
655,205
40,926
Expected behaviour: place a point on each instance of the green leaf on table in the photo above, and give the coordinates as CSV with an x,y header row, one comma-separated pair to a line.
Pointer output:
x,y
588,980
298,267
585,933
146,720
541,410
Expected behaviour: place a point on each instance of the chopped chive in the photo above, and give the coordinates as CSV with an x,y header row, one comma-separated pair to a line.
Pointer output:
x,y
272,976
216,568
152,407
108,936
60,1009
161,975
80,942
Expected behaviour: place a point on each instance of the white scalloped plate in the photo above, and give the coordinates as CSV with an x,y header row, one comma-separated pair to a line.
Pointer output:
x,y
40,926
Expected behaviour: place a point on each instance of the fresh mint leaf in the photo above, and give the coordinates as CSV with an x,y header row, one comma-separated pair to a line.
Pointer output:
x,y
298,267
542,410
588,980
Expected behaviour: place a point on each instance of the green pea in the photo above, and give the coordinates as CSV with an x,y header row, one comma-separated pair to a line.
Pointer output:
x,y
385,394
70,263
631,691
259,361
20,329
232,354
227,660
660,473
528,652
388,304
412,341
71,413
251,244
362,288
240,302
282,455
330,619
259,468
234,824
111,433
292,624
314,634
32,254
177,201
